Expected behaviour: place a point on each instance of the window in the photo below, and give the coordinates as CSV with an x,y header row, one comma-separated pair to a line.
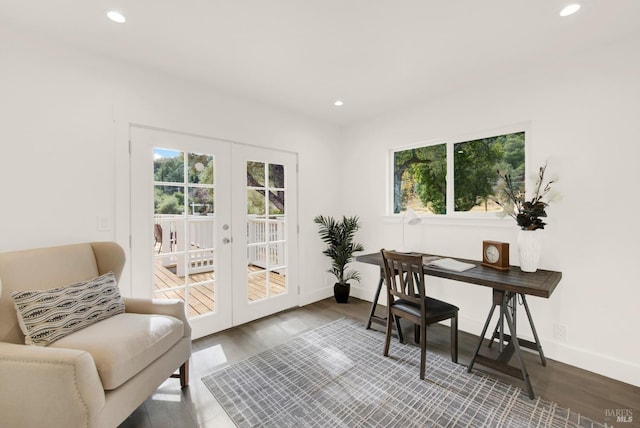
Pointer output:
x,y
457,177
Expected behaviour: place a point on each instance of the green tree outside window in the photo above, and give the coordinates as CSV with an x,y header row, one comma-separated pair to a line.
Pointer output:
x,y
420,174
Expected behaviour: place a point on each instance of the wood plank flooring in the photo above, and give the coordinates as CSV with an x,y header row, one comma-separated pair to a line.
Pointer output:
x,y
586,392
202,297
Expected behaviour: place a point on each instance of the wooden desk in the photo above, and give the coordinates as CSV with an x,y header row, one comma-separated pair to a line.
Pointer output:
x,y
507,286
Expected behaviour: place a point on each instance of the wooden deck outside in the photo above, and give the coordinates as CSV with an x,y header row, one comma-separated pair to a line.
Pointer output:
x,y
202,296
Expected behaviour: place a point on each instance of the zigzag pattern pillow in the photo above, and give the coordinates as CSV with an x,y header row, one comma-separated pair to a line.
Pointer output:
x,y
48,315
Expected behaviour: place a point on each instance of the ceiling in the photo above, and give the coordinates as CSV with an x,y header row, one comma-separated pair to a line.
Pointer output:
x,y
301,55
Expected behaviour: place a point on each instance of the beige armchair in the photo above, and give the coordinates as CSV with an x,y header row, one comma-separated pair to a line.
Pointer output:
x,y
96,376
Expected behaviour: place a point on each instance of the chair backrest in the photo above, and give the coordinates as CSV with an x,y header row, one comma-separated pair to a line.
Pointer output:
x,y
44,268
157,232
404,275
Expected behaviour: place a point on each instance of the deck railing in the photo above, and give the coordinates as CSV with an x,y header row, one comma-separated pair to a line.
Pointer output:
x,y
261,230
170,242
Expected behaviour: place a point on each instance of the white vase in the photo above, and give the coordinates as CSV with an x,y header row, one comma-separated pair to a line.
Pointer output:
x,y
529,247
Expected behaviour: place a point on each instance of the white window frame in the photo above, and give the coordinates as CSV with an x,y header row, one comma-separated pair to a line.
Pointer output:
x,y
474,217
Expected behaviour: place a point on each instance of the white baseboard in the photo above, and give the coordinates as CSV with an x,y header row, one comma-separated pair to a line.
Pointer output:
x,y
362,293
315,295
605,365
323,293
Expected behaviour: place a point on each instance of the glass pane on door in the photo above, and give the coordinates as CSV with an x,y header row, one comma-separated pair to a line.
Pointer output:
x,y
266,240
184,229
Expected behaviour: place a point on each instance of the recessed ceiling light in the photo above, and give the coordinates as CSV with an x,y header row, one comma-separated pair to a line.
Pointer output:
x,y
338,103
570,9
116,16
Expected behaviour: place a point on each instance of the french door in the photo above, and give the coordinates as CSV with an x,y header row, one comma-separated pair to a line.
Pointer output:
x,y
214,224
264,207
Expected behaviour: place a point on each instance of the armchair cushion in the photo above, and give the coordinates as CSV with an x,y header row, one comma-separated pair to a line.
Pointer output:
x,y
123,345
49,315
96,376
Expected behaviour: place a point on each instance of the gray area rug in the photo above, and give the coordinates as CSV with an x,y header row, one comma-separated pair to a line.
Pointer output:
x,y
336,376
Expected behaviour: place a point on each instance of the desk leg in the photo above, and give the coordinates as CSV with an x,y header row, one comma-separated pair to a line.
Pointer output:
x,y
507,312
498,332
382,320
516,346
533,330
372,312
484,330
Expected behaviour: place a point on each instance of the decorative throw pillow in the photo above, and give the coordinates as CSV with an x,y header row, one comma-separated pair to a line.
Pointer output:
x,y
48,315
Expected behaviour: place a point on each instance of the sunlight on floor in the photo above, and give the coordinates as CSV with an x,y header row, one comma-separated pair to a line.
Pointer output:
x,y
334,361
215,355
176,398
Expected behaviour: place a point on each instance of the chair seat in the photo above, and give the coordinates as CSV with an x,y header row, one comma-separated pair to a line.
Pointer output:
x,y
124,344
434,308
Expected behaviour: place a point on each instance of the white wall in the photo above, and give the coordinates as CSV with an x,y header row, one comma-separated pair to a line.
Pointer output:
x,y
64,137
63,163
584,118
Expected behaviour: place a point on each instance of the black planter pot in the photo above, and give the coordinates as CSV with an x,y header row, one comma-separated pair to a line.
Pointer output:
x,y
341,292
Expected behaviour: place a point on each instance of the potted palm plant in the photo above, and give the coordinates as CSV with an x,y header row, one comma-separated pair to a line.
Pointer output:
x,y
339,237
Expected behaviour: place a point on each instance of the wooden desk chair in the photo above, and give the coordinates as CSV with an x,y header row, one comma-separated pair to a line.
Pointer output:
x,y
157,236
406,298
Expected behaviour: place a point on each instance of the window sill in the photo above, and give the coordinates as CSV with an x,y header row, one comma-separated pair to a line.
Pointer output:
x,y
490,220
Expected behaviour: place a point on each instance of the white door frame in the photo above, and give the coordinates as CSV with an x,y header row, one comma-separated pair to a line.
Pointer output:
x,y
251,311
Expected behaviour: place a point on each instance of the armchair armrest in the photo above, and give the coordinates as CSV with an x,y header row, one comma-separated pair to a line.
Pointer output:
x,y
174,308
63,382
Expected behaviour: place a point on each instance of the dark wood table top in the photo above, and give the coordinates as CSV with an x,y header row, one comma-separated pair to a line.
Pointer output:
x,y
540,283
